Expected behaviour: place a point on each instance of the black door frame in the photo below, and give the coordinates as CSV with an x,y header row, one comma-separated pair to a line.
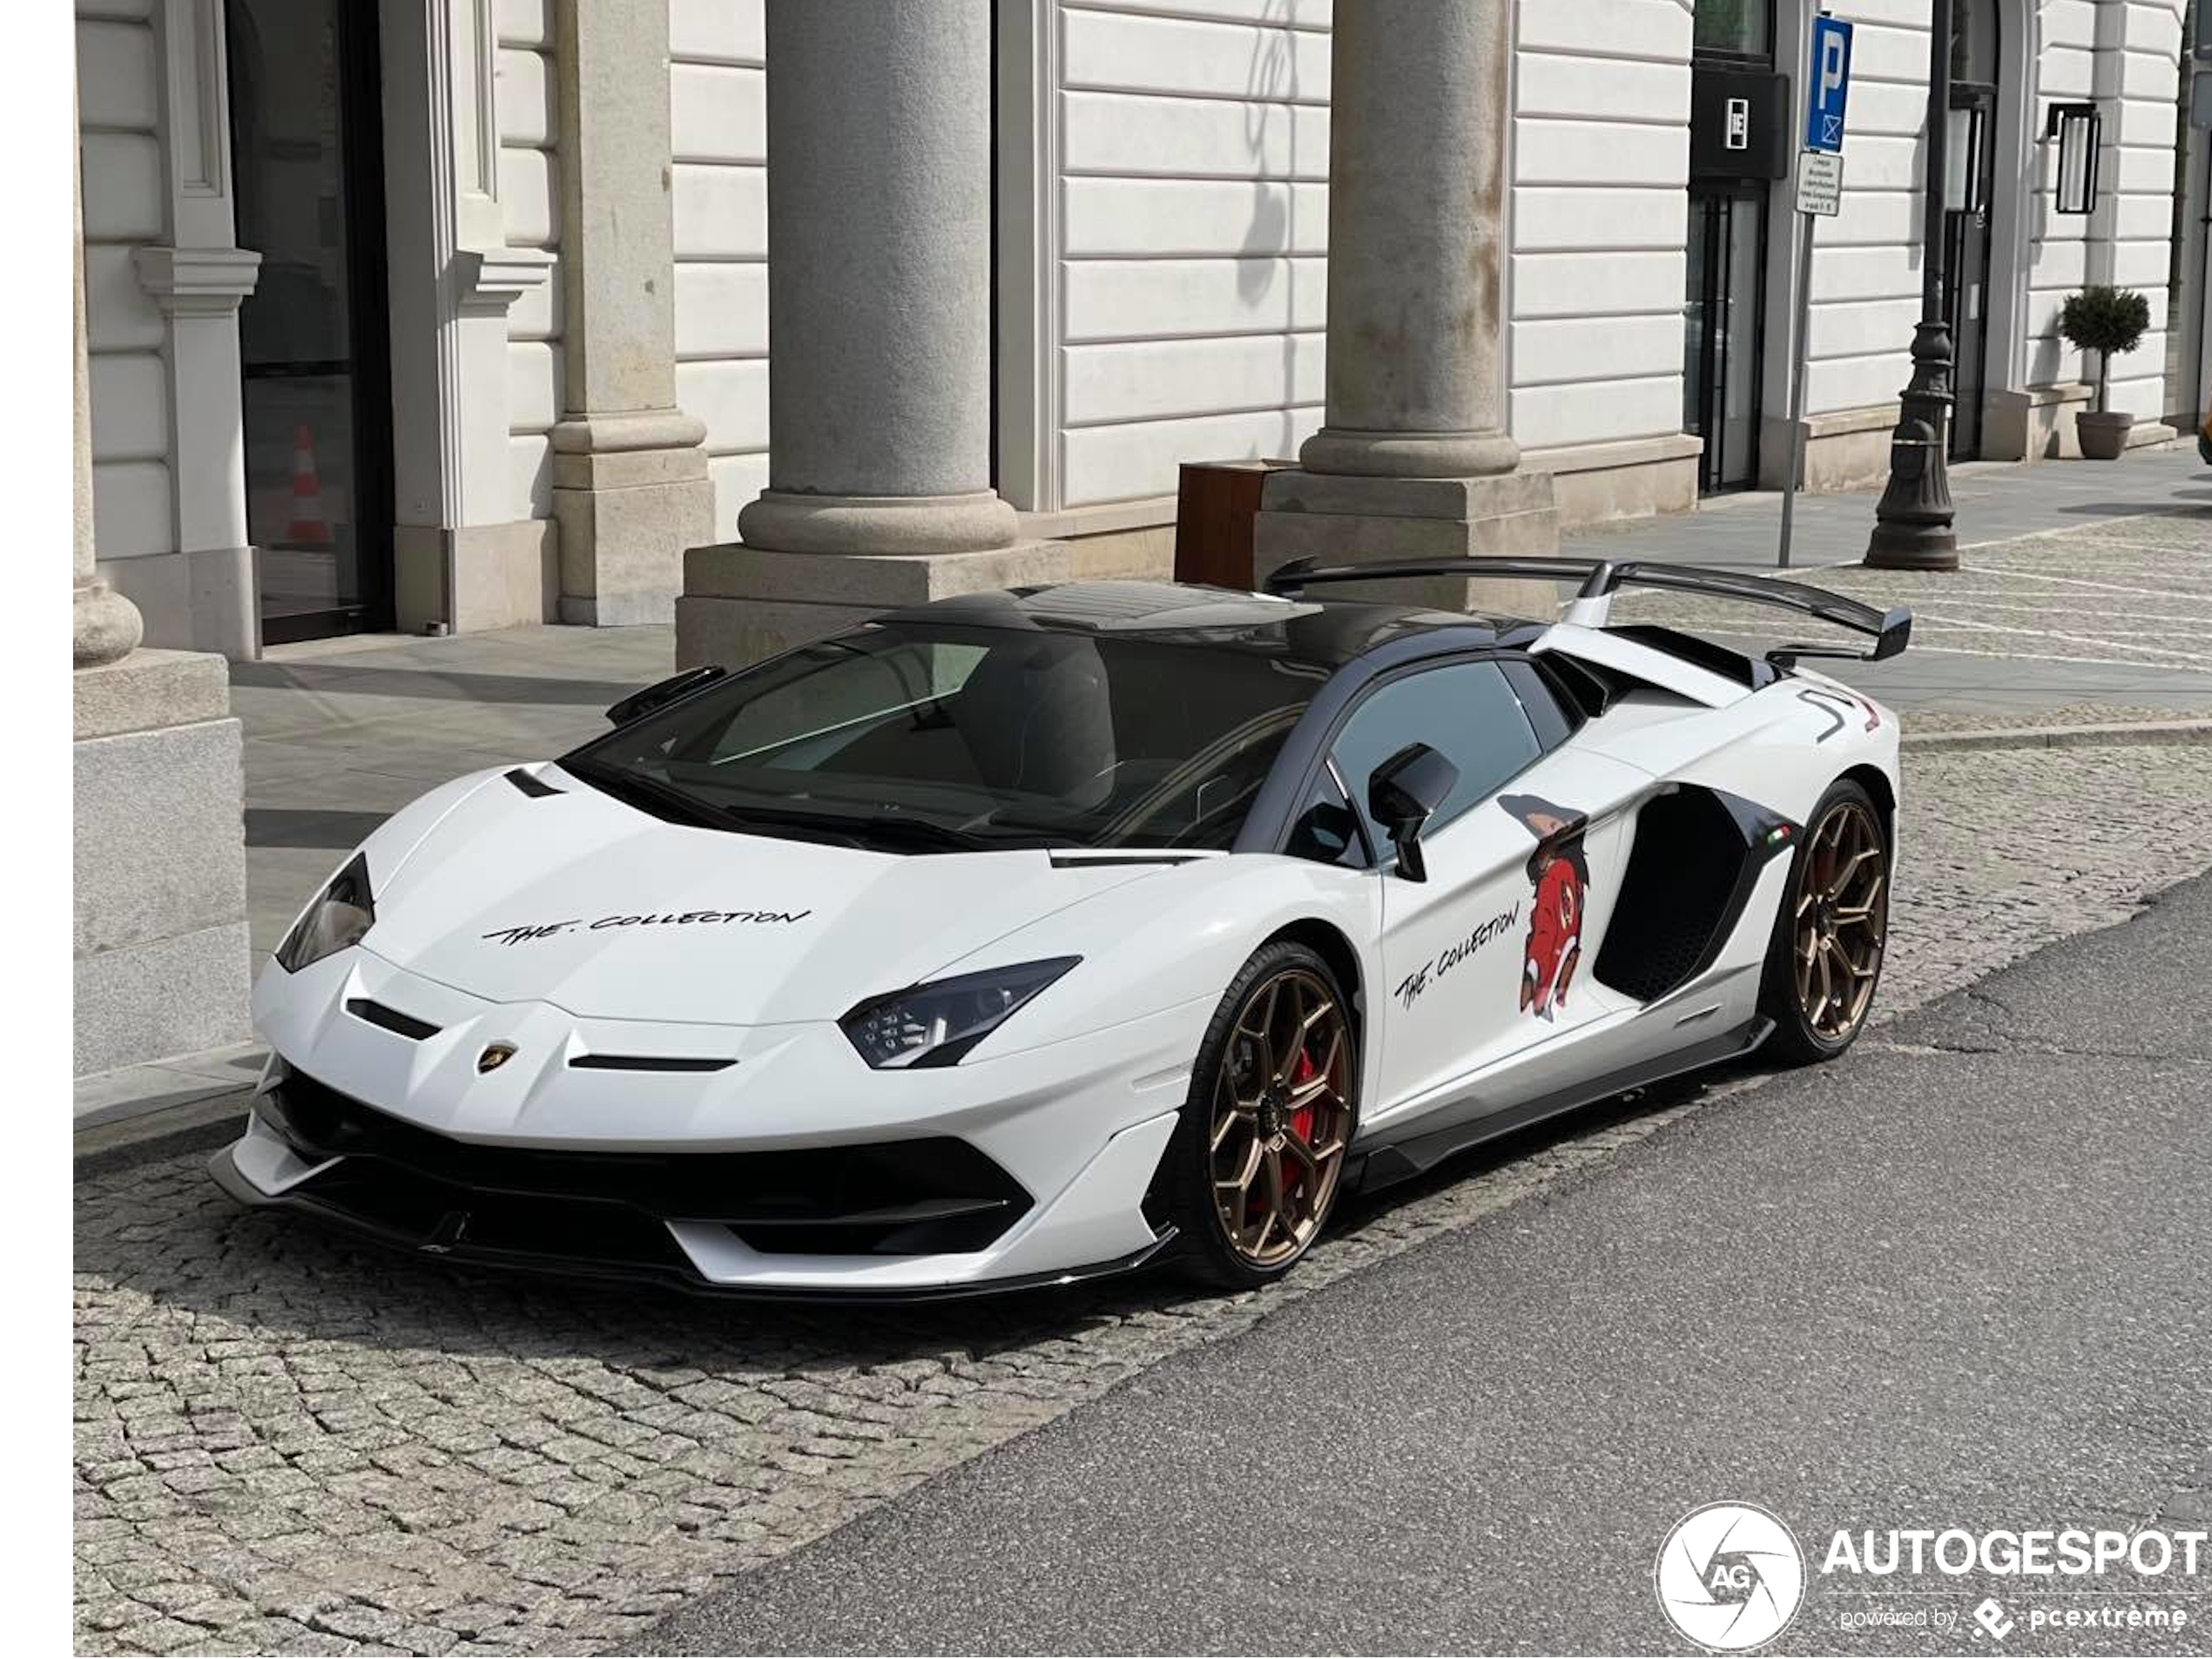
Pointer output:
x,y
369,369
1735,194
1966,229
1711,391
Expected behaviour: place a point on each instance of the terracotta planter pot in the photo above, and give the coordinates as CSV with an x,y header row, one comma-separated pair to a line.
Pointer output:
x,y
2104,437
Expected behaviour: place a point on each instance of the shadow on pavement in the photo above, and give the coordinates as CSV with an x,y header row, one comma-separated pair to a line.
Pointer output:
x,y
2111,509
299,827
336,679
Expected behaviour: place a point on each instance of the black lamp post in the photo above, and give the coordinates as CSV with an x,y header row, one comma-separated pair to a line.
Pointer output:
x,y
1913,524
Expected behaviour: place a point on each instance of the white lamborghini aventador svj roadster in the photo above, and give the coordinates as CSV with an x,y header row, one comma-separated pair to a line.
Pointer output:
x,y
1032,936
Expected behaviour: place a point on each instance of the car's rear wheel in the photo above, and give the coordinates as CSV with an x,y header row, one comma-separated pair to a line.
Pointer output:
x,y
1255,1165
1833,930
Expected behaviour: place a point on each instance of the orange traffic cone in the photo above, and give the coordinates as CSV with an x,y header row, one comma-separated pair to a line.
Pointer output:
x,y
308,523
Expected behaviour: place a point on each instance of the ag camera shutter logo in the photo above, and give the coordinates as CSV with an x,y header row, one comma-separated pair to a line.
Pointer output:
x,y
1729,1577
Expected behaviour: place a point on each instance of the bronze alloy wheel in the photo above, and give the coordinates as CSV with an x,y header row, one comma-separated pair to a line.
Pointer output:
x,y
1282,1118
1841,920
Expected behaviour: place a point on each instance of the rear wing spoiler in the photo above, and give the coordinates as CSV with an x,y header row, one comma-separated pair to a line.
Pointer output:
x,y
1600,579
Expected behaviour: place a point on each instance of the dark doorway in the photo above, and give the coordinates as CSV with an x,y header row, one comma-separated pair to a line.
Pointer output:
x,y
1723,330
1972,158
309,154
1740,145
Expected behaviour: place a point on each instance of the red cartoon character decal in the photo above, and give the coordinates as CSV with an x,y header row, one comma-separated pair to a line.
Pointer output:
x,y
1561,875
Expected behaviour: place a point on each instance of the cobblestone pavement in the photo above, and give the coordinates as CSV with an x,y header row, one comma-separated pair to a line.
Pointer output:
x,y
2115,612
286,1441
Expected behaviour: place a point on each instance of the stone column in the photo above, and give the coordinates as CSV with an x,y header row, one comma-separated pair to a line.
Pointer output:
x,y
880,294
630,483
104,624
159,936
1414,458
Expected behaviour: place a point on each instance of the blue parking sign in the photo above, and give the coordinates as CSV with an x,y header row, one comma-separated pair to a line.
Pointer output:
x,y
1828,86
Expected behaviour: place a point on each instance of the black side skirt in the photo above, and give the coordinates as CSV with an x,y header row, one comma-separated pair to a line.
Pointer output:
x,y
1399,1160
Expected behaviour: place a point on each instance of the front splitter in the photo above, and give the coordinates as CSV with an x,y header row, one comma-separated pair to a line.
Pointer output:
x,y
460,1251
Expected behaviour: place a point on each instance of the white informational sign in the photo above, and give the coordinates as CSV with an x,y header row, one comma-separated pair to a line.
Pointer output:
x,y
1820,183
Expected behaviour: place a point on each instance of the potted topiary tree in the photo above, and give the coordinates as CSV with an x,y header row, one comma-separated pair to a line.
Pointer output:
x,y
2110,322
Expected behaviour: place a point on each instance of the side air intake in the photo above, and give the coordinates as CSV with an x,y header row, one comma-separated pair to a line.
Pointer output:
x,y
1697,856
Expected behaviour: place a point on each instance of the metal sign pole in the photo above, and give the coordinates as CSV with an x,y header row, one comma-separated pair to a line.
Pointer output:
x,y
1819,194
1803,326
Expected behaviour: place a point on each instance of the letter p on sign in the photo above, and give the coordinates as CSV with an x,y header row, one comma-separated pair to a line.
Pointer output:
x,y
1830,85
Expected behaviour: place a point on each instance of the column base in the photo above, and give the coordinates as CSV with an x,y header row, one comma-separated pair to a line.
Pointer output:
x,y
160,932
477,577
892,524
1340,520
630,494
1347,452
208,599
104,625
741,603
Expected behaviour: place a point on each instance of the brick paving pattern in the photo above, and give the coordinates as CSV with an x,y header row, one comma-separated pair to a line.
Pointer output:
x,y
287,1442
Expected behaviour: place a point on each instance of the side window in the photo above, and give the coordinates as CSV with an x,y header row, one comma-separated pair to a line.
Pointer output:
x,y
1547,711
1466,711
1327,832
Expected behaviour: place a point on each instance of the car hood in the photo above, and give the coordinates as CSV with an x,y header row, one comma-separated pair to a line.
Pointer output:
x,y
577,900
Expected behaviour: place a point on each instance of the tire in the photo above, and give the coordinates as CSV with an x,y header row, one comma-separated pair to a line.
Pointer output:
x,y
1270,1106
1830,931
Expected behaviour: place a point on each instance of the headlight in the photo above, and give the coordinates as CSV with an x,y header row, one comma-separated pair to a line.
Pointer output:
x,y
338,918
935,1024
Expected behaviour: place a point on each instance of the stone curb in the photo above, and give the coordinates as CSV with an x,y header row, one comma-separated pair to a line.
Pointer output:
x,y
2159,732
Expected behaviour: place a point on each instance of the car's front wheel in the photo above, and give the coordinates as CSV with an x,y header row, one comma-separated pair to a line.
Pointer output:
x,y
1255,1164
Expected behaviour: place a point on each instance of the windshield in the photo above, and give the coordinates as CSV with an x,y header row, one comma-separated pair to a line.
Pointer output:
x,y
916,737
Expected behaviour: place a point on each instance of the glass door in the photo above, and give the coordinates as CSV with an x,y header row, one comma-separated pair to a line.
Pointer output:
x,y
1723,330
1966,265
307,147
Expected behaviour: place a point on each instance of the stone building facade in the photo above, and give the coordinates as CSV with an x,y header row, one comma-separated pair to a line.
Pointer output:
x,y
760,314
457,312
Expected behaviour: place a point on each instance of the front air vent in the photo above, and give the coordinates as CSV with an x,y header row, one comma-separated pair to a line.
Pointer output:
x,y
392,1020
645,1063
532,784
921,1197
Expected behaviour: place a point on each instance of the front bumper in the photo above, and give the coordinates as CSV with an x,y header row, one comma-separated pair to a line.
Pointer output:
x,y
791,1170
630,1262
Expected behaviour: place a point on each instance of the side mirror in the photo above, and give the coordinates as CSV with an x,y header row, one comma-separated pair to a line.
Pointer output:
x,y
659,696
1403,794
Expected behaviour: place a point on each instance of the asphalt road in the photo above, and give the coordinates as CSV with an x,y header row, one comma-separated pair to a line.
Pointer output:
x,y
1956,1280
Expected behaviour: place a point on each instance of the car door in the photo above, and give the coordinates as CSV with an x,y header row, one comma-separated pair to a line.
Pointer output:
x,y
1490,955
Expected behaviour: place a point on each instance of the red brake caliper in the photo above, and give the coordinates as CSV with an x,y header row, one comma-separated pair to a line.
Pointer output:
x,y
1302,1119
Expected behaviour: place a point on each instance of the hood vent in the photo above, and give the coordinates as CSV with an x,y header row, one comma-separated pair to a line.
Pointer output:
x,y
531,785
645,1063
392,1020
